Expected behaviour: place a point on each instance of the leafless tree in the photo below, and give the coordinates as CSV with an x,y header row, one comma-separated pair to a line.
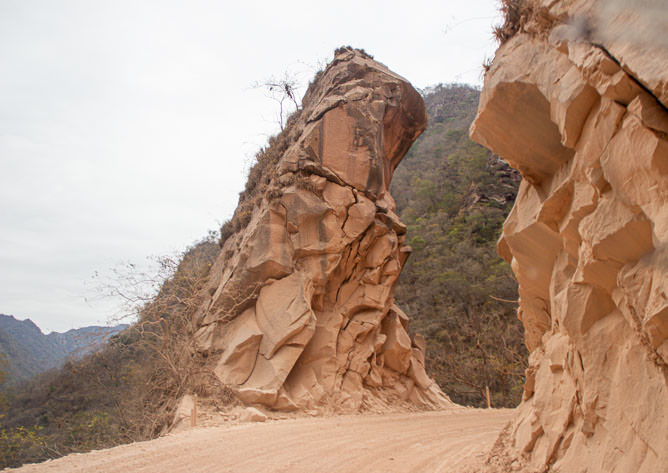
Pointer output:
x,y
282,90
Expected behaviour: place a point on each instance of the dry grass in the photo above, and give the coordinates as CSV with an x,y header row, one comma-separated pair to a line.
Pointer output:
x,y
127,391
166,331
260,176
522,16
344,49
515,14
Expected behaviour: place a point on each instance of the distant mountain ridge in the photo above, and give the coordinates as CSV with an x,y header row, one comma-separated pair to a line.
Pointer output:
x,y
29,352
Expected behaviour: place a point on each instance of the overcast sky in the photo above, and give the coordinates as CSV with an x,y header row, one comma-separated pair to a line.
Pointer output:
x,y
127,127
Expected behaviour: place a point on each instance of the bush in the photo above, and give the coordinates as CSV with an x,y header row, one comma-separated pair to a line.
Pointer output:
x,y
19,443
127,391
453,196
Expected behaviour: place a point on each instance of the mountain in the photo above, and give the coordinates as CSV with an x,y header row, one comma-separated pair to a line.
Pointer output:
x,y
453,195
29,352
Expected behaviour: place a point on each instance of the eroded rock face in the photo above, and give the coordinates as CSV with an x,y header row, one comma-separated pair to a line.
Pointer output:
x,y
582,114
299,310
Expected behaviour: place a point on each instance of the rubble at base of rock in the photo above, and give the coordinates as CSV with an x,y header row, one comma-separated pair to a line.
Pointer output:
x,y
586,122
298,313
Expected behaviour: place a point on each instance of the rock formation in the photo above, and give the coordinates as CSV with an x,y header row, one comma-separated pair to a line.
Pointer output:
x,y
576,100
298,312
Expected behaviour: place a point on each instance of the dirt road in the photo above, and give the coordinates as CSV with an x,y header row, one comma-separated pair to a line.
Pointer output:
x,y
421,442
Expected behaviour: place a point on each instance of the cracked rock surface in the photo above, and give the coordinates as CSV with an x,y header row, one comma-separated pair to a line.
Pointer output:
x,y
299,311
581,112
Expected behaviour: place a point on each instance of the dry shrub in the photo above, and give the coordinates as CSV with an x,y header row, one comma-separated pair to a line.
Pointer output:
x,y
165,334
344,49
226,231
128,390
514,13
522,15
260,177
273,193
165,364
303,182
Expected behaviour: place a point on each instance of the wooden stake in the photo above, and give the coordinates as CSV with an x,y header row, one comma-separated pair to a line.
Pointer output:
x,y
489,401
193,412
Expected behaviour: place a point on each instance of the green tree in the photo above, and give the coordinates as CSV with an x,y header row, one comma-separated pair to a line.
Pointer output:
x,y
453,196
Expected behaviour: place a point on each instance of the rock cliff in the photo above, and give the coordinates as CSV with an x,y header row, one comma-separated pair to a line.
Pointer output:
x,y
576,100
299,310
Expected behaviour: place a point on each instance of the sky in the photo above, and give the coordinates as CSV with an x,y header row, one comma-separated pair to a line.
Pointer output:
x,y
127,128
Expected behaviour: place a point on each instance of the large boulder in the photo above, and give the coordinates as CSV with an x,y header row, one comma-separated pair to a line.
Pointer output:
x,y
576,100
298,312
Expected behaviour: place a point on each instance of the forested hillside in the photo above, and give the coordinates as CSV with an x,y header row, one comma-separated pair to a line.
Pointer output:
x,y
454,195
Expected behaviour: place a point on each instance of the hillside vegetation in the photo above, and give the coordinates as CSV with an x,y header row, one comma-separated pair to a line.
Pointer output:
x,y
29,352
454,195
125,392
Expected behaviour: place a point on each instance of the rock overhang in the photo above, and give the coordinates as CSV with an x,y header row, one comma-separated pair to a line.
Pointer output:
x,y
580,116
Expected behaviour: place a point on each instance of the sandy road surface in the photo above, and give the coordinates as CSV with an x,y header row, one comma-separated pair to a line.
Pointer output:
x,y
423,442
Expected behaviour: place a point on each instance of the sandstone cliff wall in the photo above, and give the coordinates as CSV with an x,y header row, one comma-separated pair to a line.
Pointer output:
x,y
576,100
299,310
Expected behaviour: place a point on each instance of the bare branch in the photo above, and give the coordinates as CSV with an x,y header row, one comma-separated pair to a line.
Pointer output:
x,y
281,90
503,300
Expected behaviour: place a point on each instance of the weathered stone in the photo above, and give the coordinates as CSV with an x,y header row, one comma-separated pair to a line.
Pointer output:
x,y
183,414
418,373
251,414
270,253
634,38
317,228
588,234
268,376
570,105
298,312
616,232
397,349
643,180
283,311
241,344
602,72
360,216
339,198
533,144
650,112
